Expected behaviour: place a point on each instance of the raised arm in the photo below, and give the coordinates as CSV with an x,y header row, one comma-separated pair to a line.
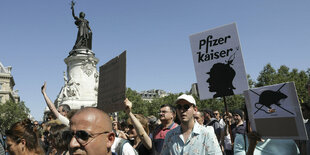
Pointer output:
x,y
48,101
72,8
146,140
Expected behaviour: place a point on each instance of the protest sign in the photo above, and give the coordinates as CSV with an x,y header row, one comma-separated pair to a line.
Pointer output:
x,y
218,62
112,84
274,111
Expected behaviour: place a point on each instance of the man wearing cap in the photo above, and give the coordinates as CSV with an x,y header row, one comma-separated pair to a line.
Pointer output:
x,y
190,137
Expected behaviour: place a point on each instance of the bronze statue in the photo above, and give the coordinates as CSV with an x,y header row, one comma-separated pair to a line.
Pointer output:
x,y
84,36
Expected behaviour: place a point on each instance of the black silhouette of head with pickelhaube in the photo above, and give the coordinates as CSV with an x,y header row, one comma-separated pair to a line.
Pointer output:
x,y
221,78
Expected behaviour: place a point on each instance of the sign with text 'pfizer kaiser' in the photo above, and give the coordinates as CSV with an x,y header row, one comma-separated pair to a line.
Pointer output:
x,y
112,85
218,62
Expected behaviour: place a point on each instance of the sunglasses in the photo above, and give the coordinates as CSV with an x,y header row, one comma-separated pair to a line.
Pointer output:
x,y
81,136
185,106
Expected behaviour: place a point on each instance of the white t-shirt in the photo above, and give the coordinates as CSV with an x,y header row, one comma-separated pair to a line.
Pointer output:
x,y
64,120
127,148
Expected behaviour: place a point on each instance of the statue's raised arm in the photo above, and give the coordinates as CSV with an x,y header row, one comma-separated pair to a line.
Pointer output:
x,y
72,8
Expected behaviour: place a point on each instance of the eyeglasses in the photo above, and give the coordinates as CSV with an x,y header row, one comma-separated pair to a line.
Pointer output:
x,y
81,136
215,113
185,106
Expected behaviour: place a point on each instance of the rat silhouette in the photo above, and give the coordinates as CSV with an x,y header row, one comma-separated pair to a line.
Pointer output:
x,y
268,98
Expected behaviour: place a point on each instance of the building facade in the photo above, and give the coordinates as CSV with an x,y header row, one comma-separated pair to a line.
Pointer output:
x,y
7,84
149,95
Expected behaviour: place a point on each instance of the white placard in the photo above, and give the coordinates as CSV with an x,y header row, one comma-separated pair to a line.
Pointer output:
x,y
218,62
274,111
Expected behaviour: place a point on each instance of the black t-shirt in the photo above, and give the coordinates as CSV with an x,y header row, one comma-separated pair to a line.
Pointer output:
x,y
142,149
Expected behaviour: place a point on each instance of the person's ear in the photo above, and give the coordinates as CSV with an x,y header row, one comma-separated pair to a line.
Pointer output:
x,y
23,144
111,138
23,141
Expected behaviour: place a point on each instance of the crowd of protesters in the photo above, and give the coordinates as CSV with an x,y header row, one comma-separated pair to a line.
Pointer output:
x,y
179,128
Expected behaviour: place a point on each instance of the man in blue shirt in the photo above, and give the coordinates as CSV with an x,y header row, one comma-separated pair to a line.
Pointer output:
x,y
190,137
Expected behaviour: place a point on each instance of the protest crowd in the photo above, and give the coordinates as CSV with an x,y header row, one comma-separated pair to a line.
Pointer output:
x,y
180,128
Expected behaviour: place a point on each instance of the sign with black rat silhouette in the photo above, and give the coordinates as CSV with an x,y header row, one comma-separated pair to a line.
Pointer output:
x,y
274,108
218,62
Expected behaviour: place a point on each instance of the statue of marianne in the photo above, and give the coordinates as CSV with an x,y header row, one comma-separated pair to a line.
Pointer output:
x,y
84,36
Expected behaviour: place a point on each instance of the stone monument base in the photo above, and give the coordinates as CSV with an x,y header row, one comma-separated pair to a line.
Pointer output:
x,y
81,83
78,104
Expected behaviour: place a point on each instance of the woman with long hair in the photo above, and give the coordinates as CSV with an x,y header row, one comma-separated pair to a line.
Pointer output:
x,y
139,130
23,139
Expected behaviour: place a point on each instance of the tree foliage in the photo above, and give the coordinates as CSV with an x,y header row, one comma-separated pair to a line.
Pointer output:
x,y
11,113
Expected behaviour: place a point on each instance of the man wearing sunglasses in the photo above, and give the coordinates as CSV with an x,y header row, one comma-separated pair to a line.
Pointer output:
x,y
90,133
190,137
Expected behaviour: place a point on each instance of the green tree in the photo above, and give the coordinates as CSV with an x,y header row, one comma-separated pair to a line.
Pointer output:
x,y
154,106
267,76
138,105
250,81
11,113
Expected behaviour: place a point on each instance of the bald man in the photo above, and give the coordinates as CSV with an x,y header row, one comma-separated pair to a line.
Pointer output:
x,y
90,133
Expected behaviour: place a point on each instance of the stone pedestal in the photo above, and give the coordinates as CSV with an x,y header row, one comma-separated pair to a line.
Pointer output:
x,y
81,81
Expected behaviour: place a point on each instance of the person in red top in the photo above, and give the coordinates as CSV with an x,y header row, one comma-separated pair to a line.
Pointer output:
x,y
167,114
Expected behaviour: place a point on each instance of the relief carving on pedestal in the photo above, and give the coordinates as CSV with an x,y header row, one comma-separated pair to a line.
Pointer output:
x,y
96,76
70,90
88,67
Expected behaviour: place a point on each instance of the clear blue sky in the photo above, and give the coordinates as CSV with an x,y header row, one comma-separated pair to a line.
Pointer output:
x,y
37,35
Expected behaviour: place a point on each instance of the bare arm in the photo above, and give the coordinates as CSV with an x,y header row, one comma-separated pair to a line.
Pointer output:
x,y
146,140
48,101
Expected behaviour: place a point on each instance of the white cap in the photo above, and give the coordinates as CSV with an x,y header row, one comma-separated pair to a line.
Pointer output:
x,y
188,98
